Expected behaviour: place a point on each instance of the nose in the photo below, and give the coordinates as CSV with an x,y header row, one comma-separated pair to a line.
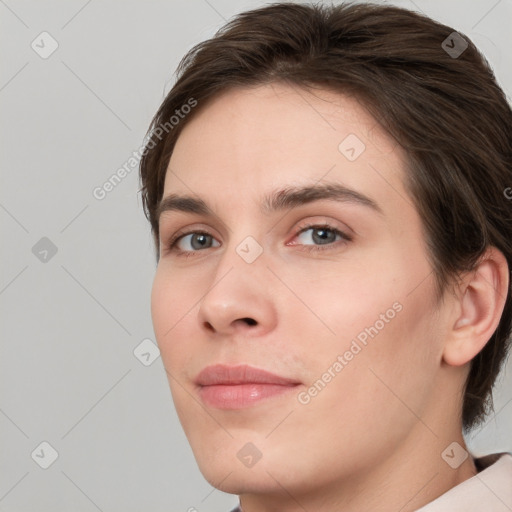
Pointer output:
x,y
239,299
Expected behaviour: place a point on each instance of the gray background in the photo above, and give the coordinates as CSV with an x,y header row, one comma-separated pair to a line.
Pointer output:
x,y
71,320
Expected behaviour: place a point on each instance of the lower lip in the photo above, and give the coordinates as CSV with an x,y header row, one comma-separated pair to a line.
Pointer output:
x,y
237,396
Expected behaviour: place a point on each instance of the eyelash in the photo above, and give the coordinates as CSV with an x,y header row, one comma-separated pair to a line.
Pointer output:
x,y
171,246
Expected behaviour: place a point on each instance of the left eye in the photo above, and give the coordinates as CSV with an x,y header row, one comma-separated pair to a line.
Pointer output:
x,y
321,235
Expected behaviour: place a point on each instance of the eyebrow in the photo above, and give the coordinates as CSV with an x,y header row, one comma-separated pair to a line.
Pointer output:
x,y
287,198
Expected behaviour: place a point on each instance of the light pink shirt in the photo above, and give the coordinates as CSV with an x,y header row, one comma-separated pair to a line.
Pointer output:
x,y
490,490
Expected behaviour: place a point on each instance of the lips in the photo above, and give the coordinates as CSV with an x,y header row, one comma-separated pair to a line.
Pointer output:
x,y
235,387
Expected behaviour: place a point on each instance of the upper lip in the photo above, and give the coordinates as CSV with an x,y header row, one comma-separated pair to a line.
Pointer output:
x,y
219,374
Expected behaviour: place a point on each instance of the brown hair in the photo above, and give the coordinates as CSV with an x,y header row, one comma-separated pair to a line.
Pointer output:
x,y
445,109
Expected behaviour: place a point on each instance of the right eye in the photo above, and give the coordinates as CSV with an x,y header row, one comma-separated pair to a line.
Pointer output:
x,y
193,241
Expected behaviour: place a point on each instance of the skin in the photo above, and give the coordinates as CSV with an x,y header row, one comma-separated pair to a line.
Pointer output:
x,y
372,438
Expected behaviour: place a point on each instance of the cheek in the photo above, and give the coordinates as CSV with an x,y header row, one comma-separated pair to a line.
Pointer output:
x,y
375,399
383,329
171,301
352,301
162,302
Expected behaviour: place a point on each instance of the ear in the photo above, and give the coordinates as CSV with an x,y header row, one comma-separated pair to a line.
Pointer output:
x,y
480,300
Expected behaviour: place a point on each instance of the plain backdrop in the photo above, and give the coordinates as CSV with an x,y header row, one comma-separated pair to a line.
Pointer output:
x,y
77,271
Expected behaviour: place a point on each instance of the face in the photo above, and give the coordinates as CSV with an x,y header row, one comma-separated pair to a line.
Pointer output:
x,y
306,261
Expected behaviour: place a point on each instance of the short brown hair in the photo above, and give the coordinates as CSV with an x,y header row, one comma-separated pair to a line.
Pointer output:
x,y
445,110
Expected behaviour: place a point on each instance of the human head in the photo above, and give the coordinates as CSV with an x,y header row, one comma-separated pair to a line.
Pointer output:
x,y
393,62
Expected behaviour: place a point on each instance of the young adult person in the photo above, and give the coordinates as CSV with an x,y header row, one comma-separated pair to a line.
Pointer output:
x,y
326,186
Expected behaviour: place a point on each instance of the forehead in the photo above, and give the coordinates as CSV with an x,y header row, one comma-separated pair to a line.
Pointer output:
x,y
253,140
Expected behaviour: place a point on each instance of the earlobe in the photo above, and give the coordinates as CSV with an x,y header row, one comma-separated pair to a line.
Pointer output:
x,y
482,295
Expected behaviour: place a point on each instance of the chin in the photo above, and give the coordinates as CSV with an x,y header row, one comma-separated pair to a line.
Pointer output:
x,y
238,466
233,479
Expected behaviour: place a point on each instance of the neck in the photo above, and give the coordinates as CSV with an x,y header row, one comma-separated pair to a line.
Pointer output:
x,y
412,476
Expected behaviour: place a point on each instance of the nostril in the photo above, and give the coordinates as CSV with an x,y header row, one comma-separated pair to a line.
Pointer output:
x,y
209,326
250,321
